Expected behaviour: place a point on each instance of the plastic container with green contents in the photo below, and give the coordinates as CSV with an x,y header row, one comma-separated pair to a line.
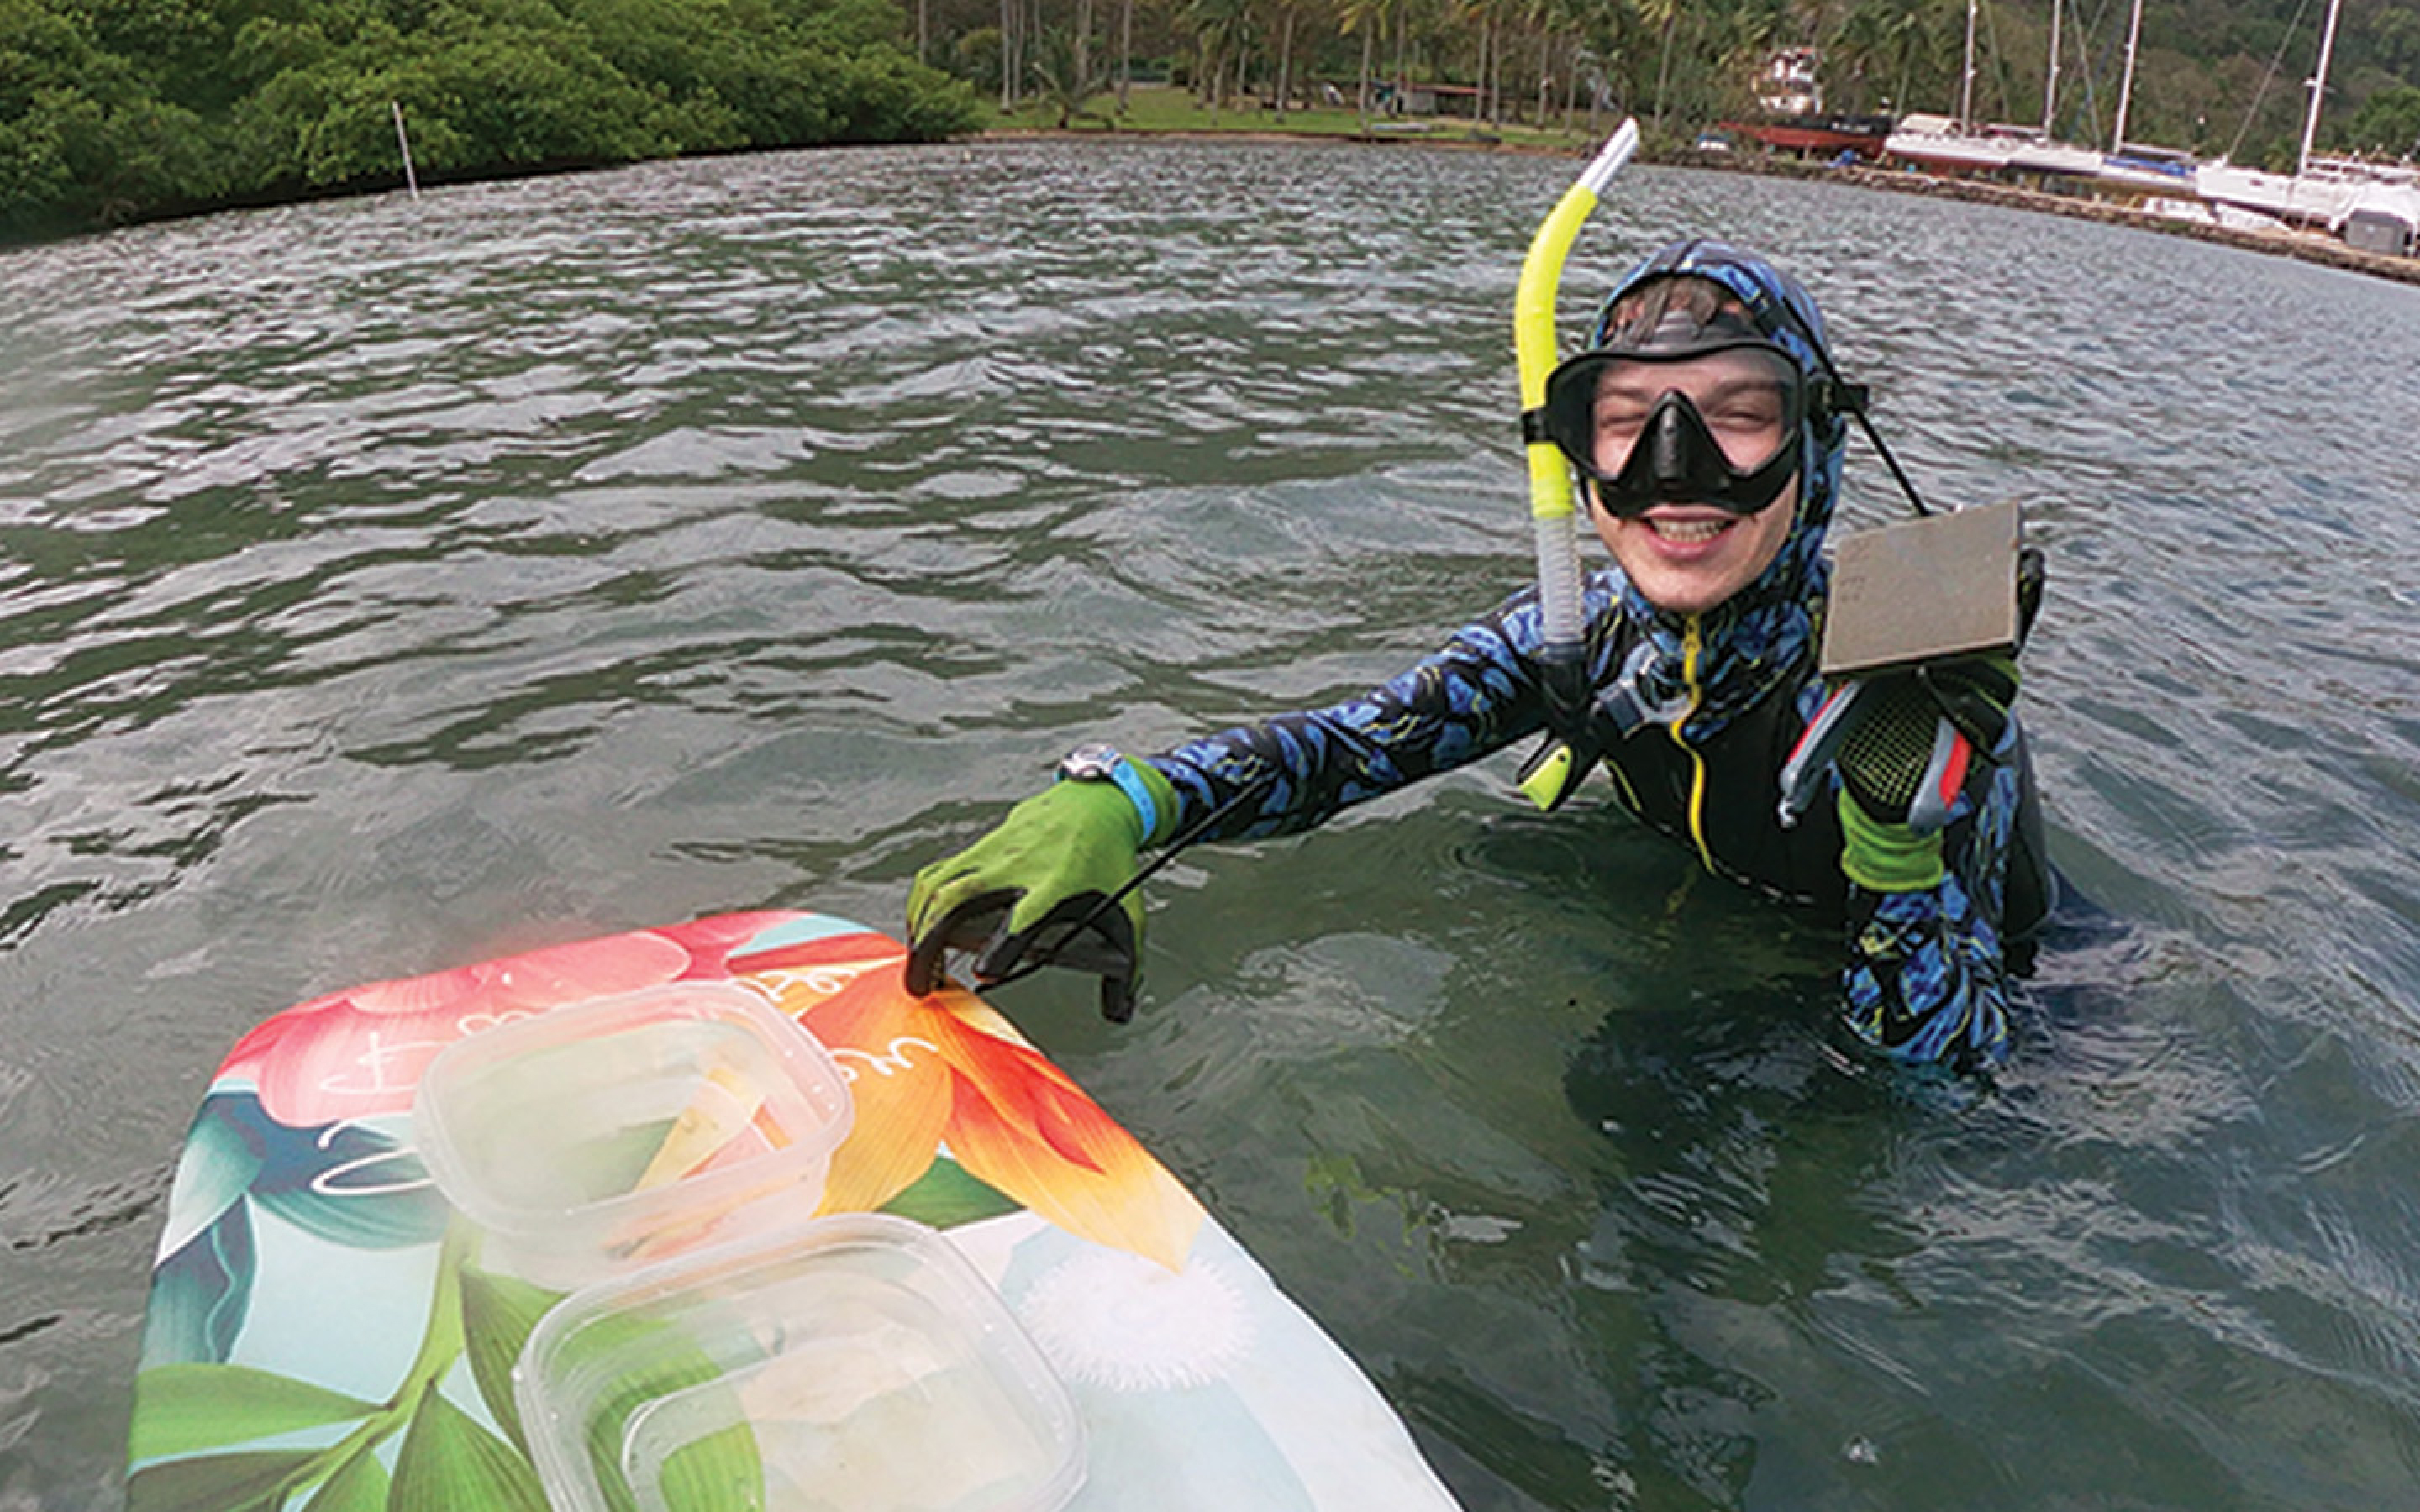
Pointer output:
x,y
859,1363
600,1137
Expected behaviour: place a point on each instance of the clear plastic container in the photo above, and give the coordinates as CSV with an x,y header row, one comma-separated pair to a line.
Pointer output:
x,y
858,1363
603,1136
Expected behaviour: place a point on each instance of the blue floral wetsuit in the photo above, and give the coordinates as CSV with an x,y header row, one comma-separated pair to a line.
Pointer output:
x,y
1696,715
1924,979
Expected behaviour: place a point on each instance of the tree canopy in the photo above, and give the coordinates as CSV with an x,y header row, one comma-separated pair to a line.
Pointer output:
x,y
2212,77
117,108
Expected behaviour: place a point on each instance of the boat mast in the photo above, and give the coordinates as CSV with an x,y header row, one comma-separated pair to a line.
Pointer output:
x,y
1966,79
2050,84
2319,87
2126,86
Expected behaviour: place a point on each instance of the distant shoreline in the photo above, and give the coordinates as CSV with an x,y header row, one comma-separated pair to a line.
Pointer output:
x,y
2303,246
2309,247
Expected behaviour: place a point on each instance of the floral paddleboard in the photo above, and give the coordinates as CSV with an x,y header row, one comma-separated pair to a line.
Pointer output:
x,y
321,1336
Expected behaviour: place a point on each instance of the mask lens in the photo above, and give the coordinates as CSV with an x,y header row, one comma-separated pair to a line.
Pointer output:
x,y
1747,399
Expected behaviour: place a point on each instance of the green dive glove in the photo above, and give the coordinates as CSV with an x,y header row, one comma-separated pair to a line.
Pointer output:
x,y
1903,744
1034,892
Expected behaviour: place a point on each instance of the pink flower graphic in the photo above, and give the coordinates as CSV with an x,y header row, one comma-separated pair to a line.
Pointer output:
x,y
361,1052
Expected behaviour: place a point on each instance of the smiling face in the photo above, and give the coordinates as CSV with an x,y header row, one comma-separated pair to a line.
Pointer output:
x,y
1687,557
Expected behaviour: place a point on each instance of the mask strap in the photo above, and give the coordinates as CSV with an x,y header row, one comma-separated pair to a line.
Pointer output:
x,y
1850,399
1844,397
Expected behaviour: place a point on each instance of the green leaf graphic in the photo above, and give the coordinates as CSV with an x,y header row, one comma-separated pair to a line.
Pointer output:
x,y
359,1485
719,1473
245,1482
449,1463
647,1361
188,1406
498,1312
945,1196
212,1175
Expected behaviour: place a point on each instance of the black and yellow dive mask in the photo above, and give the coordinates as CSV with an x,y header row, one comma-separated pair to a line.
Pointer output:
x,y
1719,425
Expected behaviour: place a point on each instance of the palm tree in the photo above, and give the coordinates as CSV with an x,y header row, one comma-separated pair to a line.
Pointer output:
x,y
1662,15
1930,44
1610,35
1856,56
1287,14
1897,50
1083,59
1220,28
1742,43
1007,55
1404,16
1369,18
1126,51
1487,16
1553,21
1063,76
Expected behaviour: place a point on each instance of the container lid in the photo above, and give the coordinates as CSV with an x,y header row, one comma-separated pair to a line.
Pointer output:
x,y
614,1130
856,1361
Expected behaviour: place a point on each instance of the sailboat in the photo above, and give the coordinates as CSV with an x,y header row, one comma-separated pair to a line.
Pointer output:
x,y
1947,142
2041,151
1955,143
2138,164
2320,191
2382,217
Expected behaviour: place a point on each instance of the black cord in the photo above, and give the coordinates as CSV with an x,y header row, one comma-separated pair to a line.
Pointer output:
x,y
1904,485
1856,408
1039,956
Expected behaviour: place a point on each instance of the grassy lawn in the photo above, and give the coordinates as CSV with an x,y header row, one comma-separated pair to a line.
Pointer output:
x,y
1165,108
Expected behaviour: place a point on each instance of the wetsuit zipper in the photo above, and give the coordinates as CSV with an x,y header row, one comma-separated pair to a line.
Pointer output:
x,y
1693,643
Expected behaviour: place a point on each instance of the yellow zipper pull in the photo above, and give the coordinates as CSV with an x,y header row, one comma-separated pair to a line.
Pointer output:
x,y
1692,644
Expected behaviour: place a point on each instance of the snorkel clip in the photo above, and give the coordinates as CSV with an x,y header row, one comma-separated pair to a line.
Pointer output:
x,y
1553,772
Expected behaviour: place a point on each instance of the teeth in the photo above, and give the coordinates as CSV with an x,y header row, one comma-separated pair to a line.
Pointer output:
x,y
1688,532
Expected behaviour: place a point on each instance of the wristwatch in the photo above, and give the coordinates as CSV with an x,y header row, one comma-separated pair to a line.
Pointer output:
x,y
1095,762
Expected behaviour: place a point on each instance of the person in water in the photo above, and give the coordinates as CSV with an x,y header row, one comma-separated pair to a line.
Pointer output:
x,y
1706,421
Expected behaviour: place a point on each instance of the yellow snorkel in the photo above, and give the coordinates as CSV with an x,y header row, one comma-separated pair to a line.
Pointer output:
x,y
1553,772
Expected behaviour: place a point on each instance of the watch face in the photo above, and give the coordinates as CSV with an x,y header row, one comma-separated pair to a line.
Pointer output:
x,y
1090,762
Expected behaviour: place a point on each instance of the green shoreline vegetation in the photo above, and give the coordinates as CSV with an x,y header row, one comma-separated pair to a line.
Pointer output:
x,y
115,110
121,110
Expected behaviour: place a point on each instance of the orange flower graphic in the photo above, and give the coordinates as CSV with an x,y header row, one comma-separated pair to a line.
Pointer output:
x,y
945,1072
948,1072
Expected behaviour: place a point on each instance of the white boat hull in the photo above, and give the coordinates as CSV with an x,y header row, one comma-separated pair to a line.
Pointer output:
x,y
1957,154
2054,157
2287,196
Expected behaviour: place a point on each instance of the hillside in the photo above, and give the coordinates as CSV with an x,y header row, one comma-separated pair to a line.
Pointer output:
x,y
116,109
113,110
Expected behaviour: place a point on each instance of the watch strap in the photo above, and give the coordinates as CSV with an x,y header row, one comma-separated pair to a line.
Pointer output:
x,y
1121,770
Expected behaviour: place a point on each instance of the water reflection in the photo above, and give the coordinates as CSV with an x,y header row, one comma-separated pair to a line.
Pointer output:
x,y
384,588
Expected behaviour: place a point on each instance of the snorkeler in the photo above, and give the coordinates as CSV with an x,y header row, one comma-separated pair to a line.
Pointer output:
x,y
1706,423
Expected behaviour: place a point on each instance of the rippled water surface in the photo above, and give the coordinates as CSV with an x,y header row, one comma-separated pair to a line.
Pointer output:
x,y
384,586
